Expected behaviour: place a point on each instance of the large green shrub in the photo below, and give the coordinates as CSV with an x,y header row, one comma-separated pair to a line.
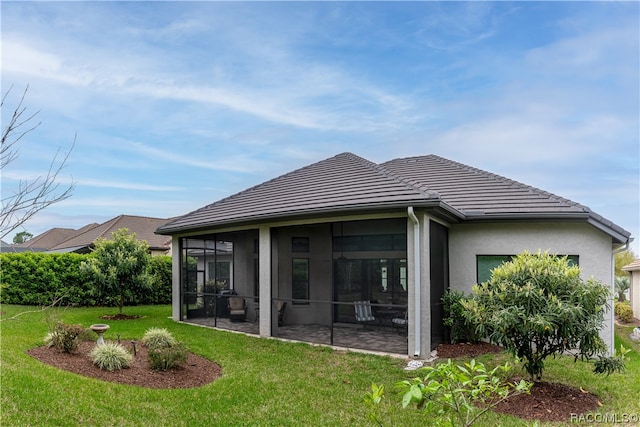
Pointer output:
x,y
538,306
39,279
160,276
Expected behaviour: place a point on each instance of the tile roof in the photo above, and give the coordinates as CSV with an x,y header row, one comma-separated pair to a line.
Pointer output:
x,y
634,266
347,182
49,238
144,227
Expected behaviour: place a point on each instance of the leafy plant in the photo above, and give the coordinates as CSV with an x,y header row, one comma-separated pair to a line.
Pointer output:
x,y
608,365
155,338
111,356
461,327
119,266
461,393
170,357
624,311
538,306
66,337
622,285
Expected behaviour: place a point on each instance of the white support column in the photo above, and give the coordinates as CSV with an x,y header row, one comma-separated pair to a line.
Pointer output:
x,y
175,278
265,280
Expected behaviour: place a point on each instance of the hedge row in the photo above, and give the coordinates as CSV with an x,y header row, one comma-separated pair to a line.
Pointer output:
x,y
33,278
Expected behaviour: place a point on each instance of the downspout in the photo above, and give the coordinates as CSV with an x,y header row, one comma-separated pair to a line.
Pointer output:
x,y
416,266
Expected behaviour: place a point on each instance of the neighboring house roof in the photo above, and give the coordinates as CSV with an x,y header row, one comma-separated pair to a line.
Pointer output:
x,y
144,228
48,239
347,182
634,266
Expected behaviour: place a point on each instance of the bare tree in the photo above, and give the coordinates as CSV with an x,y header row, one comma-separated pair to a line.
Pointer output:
x,y
31,195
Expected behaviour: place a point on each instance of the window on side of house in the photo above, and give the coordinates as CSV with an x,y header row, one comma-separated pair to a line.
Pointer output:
x,y
300,280
486,263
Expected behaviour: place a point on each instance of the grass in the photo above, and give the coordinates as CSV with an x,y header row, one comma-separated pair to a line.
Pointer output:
x,y
264,382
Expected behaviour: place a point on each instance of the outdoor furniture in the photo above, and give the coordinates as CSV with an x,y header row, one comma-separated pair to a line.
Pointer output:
x,y
401,323
280,306
364,314
237,309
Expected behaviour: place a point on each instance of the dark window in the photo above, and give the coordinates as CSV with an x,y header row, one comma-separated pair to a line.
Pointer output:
x,y
300,280
299,244
486,263
370,242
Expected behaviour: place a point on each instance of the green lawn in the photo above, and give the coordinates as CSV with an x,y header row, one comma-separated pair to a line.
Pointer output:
x,y
264,382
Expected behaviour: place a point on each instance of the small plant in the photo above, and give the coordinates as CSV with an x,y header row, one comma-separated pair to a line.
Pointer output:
x,y
155,338
169,357
624,311
461,327
609,365
66,337
462,393
111,356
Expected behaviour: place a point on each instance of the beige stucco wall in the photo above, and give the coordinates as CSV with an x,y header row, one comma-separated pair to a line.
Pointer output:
x,y
593,247
634,295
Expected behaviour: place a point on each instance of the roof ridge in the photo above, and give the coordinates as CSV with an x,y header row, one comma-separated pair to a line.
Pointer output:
x,y
509,181
409,183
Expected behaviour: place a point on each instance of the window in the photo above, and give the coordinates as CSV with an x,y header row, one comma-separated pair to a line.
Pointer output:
x,y
299,244
373,242
300,280
486,263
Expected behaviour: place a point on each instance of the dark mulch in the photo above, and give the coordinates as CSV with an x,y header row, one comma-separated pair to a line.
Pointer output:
x,y
196,372
121,316
546,402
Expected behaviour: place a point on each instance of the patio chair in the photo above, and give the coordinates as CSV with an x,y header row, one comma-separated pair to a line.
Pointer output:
x,y
280,306
401,323
364,314
237,309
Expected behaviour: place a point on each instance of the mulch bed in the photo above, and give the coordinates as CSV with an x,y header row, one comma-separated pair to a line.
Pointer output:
x,y
196,372
546,402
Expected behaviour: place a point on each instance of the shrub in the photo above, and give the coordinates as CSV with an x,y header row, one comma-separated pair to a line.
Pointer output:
x,y
66,337
170,357
462,393
461,327
111,356
160,276
537,306
34,278
155,338
624,311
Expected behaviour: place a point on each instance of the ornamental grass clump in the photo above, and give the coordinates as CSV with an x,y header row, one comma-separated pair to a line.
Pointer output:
x,y
111,356
155,338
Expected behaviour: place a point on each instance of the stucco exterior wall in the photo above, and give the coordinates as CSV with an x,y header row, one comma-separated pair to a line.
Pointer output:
x,y
634,294
593,248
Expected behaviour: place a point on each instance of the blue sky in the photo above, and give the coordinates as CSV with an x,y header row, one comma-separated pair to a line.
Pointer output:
x,y
178,104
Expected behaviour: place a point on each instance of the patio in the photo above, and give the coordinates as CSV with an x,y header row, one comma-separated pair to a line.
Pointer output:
x,y
382,339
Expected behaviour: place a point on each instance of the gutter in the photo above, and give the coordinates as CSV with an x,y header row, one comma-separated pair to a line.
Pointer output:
x,y
416,266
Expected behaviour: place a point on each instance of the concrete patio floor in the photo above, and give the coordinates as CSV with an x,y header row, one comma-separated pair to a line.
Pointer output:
x,y
379,339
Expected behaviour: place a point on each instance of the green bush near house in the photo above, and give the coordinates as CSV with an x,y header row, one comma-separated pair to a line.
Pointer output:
x,y
111,356
624,311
